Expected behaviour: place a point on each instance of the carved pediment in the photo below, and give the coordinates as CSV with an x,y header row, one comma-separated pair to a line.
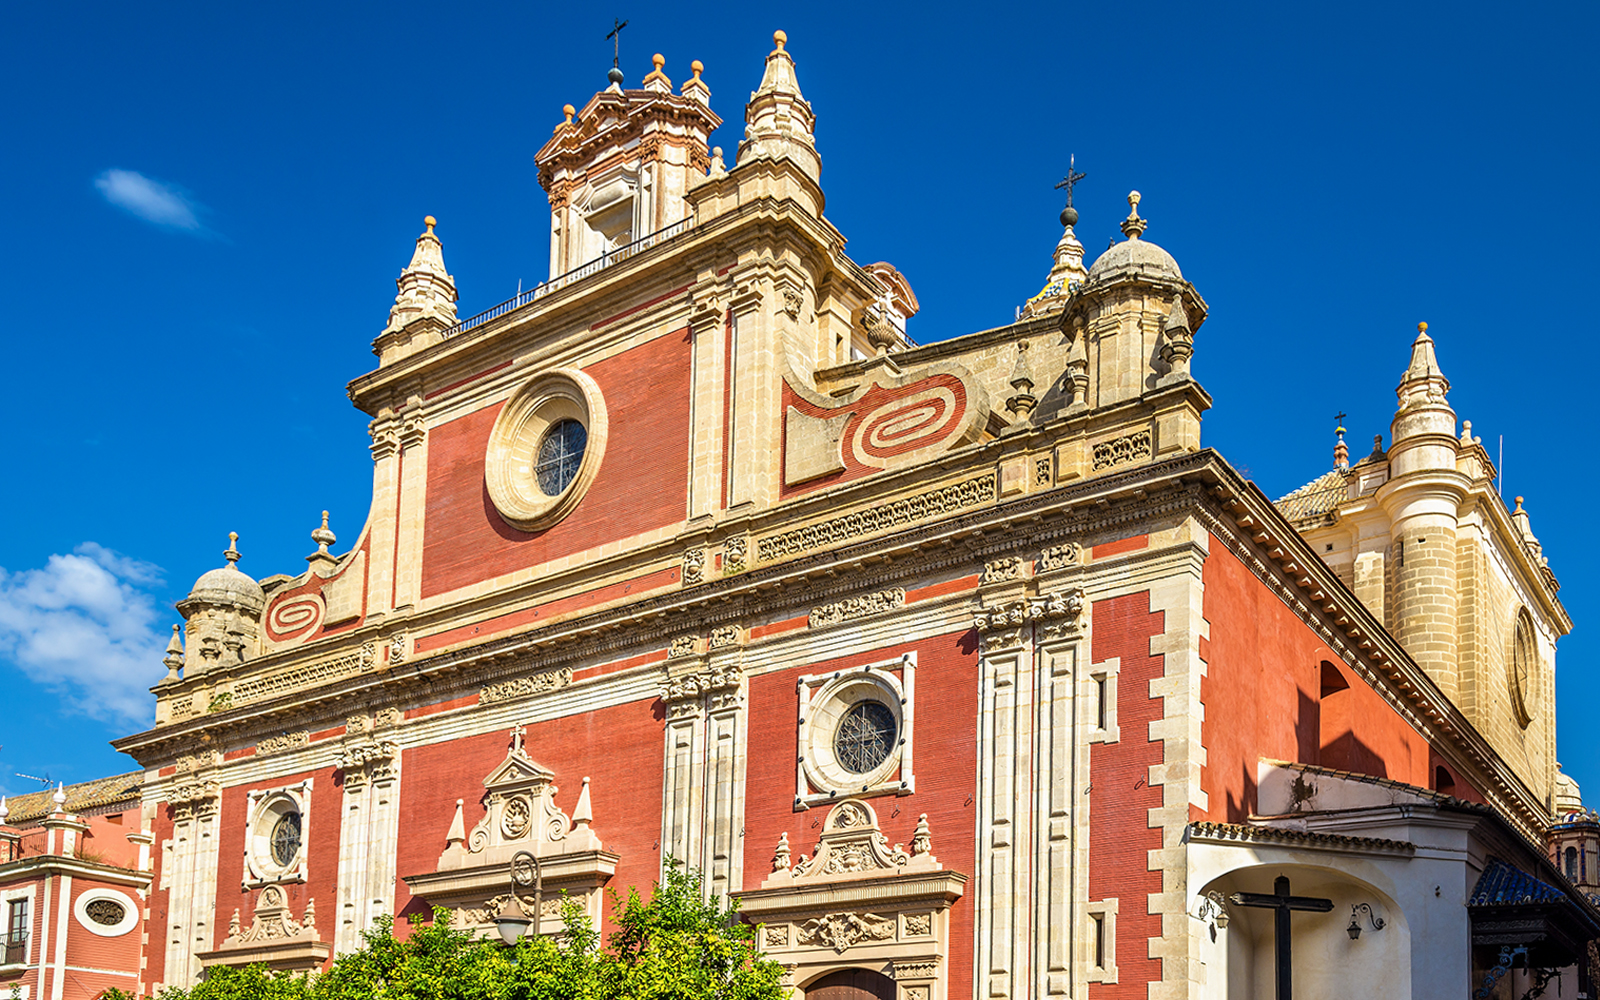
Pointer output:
x,y
273,938
852,845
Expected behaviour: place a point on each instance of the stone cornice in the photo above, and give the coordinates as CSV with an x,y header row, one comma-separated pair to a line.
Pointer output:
x,y
55,864
1199,484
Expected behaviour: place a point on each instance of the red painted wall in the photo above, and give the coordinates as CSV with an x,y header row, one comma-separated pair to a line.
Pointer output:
x,y
640,485
1120,796
1263,693
322,854
618,749
89,950
945,761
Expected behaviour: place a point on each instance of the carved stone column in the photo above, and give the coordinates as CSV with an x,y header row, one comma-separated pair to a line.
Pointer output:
x,y
369,831
189,874
704,764
1027,810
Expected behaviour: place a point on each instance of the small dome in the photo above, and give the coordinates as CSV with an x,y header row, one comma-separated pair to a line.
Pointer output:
x,y
228,586
1136,257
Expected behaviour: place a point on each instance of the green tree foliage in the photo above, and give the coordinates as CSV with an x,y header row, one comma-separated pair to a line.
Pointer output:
x,y
676,946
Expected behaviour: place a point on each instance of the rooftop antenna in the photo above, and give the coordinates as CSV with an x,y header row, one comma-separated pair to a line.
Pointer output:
x,y
1500,467
46,781
615,37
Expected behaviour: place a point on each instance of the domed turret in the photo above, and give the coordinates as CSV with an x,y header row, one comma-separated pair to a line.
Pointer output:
x,y
227,587
1135,256
222,615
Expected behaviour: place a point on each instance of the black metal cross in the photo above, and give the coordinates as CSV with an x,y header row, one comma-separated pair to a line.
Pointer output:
x,y
1281,903
1072,178
1338,418
615,37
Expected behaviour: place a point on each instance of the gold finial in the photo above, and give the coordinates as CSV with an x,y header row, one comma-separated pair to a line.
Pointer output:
x,y
569,111
1133,227
231,553
430,222
1519,504
779,38
697,67
658,60
1422,328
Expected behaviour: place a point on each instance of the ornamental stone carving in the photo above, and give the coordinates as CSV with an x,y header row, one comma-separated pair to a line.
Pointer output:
x,y
853,845
368,760
272,920
717,687
871,520
1055,616
852,608
1001,569
726,635
278,744
1060,556
1120,451
681,646
522,687
734,552
694,566
841,930
194,799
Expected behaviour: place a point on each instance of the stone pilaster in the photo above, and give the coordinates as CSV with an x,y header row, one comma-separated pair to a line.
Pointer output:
x,y
368,833
704,764
189,874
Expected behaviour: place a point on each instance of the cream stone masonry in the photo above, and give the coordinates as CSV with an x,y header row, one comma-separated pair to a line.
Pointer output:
x,y
1422,531
704,766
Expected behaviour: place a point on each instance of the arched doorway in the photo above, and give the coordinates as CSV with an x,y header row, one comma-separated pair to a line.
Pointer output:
x,y
851,984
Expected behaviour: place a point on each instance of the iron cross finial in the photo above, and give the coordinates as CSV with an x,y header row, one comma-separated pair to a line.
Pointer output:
x,y
1073,177
1338,418
615,37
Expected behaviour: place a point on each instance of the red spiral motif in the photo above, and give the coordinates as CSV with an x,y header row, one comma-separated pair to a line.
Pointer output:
x,y
906,424
294,616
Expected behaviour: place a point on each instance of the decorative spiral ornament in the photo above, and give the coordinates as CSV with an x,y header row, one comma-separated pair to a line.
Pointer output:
x,y
294,616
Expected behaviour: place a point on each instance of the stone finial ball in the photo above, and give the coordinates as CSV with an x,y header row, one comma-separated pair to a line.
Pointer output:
x,y
697,67
1422,328
429,221
659,60
779,37
568,110
1069,216
716,150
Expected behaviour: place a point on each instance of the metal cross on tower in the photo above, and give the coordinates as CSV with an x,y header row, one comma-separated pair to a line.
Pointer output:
x,y
1072,178
615,37
1281,903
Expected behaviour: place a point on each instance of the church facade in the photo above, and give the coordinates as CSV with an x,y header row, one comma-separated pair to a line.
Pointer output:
x,y
965,667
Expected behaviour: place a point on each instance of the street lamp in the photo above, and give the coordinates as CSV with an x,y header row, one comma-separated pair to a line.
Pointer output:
x,y
1354,930
512,921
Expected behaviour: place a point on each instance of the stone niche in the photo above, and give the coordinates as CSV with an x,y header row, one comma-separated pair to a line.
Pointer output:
x,y
473,877
859,902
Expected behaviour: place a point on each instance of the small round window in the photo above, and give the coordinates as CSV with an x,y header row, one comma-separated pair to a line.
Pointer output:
x,y
560,455
865,736
286,839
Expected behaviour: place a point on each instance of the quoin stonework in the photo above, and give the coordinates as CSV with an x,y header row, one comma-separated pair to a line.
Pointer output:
x,y
965,666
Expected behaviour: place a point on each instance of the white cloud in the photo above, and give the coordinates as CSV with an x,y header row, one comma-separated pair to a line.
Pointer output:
x,y
87,626
151,200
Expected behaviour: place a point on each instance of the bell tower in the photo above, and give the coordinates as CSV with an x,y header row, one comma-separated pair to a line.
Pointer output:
x,y
617,171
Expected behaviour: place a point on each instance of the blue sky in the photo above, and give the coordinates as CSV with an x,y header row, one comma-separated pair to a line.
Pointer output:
x,y
207,206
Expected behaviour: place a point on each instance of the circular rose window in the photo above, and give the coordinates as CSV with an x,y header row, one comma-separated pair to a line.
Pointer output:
x,y
865,737
545,449
286,839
